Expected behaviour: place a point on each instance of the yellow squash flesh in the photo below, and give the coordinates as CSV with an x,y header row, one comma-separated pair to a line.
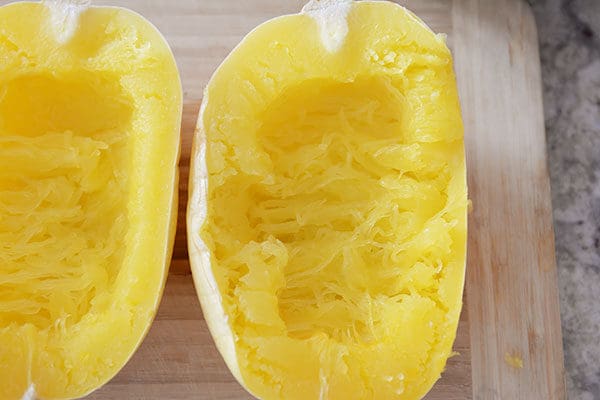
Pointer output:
x,y
327,210
90,110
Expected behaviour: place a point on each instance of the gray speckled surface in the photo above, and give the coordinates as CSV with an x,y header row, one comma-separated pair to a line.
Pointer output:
x,y
569,33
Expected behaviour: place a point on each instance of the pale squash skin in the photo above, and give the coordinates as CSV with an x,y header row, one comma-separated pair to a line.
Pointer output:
x,y
282,345
101,98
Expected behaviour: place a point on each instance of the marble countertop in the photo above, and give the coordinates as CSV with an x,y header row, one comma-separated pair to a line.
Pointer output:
x,y
569,35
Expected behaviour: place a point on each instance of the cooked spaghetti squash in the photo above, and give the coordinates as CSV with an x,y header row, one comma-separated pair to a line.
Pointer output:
x,y
90,108
327,210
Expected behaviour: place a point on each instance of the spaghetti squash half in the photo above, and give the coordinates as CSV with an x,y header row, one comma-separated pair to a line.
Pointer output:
x,y
327,209
90,110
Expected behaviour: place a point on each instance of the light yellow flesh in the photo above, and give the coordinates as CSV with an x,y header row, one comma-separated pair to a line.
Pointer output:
x,y
89,136
327,217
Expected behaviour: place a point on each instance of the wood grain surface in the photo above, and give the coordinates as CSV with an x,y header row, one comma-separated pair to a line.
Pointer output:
x,y
511,274
511,307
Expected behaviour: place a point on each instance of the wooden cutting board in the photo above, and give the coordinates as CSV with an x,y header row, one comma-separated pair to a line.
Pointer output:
x,y
511,293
